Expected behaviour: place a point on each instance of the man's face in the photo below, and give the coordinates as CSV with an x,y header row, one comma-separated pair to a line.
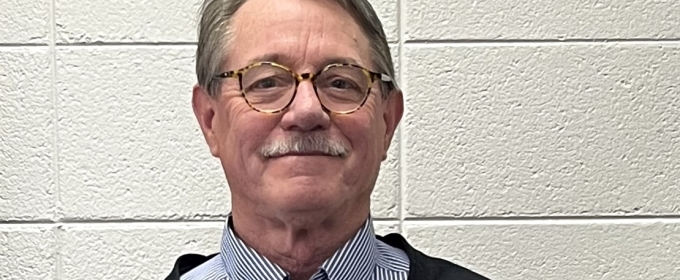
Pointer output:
x,y
305,36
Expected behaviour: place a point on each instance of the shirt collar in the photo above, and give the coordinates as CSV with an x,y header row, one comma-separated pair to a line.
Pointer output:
x,y
243,262
356,259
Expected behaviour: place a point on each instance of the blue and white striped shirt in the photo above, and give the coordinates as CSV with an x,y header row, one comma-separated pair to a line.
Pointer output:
x,y
363,257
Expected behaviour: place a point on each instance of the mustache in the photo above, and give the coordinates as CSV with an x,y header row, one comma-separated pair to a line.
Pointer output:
x,y
305,143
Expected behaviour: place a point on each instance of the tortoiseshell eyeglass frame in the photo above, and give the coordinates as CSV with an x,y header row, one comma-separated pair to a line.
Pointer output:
x,y
372,77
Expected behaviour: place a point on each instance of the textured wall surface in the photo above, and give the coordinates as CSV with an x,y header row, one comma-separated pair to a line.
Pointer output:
x,y
541,138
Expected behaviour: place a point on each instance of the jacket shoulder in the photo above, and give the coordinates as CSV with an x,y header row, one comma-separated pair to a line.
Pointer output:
x,y
185,263
429,268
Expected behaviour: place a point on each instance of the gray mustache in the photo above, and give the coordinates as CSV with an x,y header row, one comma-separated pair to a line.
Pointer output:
x,y
305,143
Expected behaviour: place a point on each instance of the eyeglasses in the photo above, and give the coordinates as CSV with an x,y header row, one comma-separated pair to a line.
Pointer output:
x,y
269,87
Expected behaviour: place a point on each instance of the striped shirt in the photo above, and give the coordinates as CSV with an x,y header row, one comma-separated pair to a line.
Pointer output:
x,y
363,257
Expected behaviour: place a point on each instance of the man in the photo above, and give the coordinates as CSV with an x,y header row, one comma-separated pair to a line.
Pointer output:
x,y
297,100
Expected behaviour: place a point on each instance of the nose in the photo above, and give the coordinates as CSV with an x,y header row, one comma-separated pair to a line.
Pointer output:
x,y
305,113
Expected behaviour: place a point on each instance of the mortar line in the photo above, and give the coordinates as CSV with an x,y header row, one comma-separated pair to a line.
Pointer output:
x,y
58,267
132,44
542,222
557,41
409,220
55,108
134,221
537,43
23,45
594,217
402,131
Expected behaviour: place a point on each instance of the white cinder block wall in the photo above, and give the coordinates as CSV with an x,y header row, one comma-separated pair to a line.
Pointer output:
x,y
541,138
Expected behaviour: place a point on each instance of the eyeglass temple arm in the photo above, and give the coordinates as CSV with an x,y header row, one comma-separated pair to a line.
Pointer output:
x,y
387,79
384,77
225,75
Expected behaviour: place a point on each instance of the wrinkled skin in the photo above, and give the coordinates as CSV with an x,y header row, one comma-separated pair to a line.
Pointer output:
x,y
295,200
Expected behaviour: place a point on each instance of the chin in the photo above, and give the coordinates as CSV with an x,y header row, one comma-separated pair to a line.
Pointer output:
x,y
307,194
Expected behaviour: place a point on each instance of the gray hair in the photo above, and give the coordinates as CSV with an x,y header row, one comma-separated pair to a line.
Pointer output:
x,y
309,142
214,33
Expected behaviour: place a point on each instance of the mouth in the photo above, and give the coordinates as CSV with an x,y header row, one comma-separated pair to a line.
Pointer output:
x,y
304,154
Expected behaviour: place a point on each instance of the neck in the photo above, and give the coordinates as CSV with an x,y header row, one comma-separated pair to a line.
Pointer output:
x,y
298,243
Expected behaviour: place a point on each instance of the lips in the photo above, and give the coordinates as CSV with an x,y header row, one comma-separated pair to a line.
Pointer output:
x,y
310,153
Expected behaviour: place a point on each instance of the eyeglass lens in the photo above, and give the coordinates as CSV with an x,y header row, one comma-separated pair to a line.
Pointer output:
x,y
340,88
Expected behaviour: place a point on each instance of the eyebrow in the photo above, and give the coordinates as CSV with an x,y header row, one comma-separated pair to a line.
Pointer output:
x,y
286,59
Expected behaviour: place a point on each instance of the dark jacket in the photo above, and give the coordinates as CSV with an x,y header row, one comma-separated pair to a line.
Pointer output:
x,y
421,267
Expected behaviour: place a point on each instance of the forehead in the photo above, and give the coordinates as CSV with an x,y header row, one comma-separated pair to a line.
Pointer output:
x,y
296,33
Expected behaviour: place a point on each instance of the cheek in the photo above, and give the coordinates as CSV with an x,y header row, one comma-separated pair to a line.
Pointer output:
x,y
364,164
366,135
239,148
243,131
372,132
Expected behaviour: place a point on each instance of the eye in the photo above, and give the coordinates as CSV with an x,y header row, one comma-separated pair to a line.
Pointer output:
x,y
265,83
340,83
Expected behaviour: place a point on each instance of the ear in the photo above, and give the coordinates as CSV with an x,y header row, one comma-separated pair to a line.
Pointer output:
x,y
204,110
394,109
